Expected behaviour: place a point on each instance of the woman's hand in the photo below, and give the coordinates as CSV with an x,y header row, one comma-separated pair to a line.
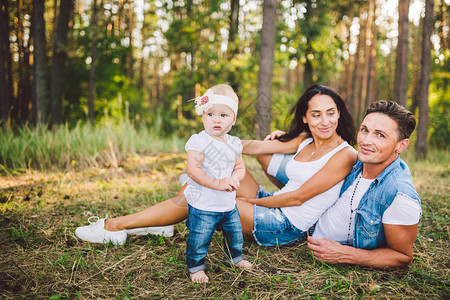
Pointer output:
x,y
274,135
249,200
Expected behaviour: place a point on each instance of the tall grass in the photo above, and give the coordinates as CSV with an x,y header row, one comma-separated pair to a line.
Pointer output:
x,y
79,147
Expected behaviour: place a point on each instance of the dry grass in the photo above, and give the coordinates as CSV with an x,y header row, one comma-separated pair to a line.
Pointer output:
x,y
41,258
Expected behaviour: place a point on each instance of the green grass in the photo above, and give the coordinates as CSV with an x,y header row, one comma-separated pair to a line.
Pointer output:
x,y
41,258
80,147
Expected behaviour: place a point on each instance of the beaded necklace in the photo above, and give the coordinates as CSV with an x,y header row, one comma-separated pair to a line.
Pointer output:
x,y
352,210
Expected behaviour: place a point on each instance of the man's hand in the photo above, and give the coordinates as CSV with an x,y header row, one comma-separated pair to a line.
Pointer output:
x,y
274,135
328,251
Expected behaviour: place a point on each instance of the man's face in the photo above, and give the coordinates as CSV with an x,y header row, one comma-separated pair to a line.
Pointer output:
x,y
378,140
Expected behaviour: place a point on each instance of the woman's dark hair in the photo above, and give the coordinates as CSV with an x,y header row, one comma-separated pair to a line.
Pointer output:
x,y
346,127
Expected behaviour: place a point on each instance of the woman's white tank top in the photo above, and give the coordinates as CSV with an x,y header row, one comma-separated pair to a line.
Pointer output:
x,y
305,215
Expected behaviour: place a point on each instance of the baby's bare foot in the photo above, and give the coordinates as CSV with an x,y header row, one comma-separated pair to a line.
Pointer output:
x,y
244,264
199,277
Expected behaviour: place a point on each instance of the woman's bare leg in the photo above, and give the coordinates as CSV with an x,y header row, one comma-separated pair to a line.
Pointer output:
x,y
249,187
175,210
264,160
168,212
246,213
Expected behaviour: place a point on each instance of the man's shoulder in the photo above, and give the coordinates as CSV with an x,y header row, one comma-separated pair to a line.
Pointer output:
x,y
399,180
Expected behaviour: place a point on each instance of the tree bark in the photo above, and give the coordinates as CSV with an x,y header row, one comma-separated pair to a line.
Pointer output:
x,y
353,98
130,26
234,24
371,73
307,67
265,74
6,86
401,68
40,61
365,83
232,48
23,103
58,62
347,84
94,28
422,128
415,72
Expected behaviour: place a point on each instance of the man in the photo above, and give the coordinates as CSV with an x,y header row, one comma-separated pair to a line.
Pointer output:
x,y
378,200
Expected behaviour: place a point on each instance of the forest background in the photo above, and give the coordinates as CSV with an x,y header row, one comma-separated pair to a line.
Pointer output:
x,y
94,117
77,61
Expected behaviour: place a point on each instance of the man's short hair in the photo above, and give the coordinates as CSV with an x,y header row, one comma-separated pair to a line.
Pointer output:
x,y
404,118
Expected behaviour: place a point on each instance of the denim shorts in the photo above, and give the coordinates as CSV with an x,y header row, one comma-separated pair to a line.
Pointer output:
x,y
272,227
277,166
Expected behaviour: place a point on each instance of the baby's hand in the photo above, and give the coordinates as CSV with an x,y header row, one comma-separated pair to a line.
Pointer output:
x,y
236,184
227,184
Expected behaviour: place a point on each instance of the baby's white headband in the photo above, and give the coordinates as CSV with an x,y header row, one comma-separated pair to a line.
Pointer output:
x,y
205,102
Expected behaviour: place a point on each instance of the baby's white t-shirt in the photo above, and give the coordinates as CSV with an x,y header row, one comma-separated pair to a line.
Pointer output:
x,y
219,162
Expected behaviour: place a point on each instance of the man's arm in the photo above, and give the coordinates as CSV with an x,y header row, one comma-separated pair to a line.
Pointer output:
x,y
398,252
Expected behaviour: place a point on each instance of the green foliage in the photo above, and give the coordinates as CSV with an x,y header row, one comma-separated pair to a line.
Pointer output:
x,y
440,124
178,45
439,114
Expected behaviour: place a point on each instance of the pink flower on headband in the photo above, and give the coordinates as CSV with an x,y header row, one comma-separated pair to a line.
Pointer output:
x,y
202,104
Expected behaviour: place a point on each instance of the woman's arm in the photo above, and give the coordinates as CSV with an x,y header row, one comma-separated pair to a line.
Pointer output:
x,y
253,147
335,170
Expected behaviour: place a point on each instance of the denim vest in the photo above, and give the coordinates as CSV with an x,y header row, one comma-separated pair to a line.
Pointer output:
x,y
395,179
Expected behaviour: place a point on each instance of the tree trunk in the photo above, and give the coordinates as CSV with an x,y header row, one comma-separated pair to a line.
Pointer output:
x,y
307,67
367,56
347,84
443,24
130,26
353,98
371,72
58,62
232,49
6,84
415,72
389,86
17,106
401,62
265,74
422,128
94,28
24,86
40,61
234,24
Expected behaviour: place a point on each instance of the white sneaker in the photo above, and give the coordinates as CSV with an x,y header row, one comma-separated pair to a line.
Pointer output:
x,y
166,231
96,233
183,178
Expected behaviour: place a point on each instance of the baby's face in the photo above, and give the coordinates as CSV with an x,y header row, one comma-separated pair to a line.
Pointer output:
x,y
218,120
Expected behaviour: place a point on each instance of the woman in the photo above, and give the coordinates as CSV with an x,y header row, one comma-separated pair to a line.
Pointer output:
x,y
320,134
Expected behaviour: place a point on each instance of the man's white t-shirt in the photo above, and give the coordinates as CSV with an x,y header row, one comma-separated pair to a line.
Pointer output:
x,y
335,222
219,162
